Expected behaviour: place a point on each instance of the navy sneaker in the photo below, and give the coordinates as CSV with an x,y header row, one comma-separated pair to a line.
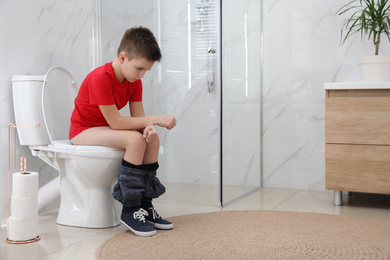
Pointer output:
x,y
135,221
156,220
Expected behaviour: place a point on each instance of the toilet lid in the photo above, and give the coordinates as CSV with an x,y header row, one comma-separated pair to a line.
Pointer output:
x,y
58,94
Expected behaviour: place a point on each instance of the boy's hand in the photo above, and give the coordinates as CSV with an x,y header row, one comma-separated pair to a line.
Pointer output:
x,y
150,134
168,122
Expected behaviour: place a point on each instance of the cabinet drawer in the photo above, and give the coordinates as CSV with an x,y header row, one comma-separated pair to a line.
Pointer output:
x,y
361,168
358,120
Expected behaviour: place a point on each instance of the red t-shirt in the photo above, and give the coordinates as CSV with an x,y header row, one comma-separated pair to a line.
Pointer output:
x,y
101,87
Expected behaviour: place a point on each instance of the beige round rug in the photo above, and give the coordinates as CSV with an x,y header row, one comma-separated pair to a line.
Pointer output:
x,y
256,235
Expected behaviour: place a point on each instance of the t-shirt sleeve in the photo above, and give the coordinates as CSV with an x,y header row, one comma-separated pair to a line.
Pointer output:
x,y
100,91
137,93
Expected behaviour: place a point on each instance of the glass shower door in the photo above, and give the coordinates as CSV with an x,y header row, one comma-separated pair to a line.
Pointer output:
x,y
185,84
241,96
190,90
215,148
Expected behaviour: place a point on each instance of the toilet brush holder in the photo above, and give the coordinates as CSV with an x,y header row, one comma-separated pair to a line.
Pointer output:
x,y
22,225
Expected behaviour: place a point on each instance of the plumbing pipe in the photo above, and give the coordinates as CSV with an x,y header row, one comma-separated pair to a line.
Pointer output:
x,y
48,193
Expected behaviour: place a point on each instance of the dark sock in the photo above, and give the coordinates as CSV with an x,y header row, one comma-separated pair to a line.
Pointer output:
x,y
130,165
129,209
147,167
146,203
150,166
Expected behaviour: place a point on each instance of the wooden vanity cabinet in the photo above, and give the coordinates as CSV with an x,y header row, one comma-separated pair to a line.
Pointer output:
x,y
357,137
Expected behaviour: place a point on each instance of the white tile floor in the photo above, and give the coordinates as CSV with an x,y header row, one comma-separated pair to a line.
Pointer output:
x,y
61,242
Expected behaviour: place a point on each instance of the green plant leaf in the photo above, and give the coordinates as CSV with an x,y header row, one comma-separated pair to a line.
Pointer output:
x,y
369,17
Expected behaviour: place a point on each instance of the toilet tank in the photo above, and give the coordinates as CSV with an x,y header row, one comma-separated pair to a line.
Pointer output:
x,y
27,99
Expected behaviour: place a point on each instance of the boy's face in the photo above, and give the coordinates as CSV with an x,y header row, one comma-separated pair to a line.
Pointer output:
x,y
135,68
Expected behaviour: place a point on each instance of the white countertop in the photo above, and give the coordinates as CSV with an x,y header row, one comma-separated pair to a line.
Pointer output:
x,y
356,85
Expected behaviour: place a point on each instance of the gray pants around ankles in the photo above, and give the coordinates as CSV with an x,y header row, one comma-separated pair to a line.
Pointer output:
x,y
135,184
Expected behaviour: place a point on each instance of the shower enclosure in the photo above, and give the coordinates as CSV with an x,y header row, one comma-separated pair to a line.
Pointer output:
x,y
209,79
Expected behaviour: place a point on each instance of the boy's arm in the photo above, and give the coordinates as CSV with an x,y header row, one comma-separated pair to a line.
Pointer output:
x,y
136,109
149,132
118,122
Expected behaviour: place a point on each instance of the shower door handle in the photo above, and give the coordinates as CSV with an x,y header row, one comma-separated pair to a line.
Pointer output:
x,y
211,70
211,50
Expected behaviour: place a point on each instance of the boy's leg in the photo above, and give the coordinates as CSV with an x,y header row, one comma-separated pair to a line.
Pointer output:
x,y
154,189
153,216
132,141
130,187
129,190
138,155
151,152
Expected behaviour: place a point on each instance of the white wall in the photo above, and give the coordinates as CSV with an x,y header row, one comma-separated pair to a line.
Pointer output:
x,y
34,36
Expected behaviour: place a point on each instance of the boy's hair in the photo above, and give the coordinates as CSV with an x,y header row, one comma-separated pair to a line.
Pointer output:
x,y
140,42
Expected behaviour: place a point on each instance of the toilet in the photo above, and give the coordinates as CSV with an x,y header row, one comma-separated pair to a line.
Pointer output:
x,y
86,173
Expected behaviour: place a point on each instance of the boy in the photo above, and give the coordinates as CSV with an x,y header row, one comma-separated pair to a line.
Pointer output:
x,y
96,121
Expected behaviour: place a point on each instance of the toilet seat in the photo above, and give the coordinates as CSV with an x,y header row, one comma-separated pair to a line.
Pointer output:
x,y
65,147
58,94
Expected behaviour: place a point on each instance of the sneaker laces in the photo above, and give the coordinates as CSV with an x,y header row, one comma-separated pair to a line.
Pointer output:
x,y
155,214
140,215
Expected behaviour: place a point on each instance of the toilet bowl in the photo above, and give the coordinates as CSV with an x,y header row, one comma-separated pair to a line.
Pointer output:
x,y
86,173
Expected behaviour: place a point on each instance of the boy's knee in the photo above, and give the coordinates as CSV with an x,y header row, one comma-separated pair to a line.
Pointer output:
x,y
156,141
153,144
136,140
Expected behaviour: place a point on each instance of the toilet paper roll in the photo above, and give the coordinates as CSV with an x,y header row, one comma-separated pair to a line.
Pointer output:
x,y
22,229
24,207
25,185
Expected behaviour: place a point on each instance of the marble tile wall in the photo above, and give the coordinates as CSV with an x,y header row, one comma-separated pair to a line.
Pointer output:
x,y
34,36
302,51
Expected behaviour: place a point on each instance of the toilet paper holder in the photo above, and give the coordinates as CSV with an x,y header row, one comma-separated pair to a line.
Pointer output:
x,y
23,170
23,165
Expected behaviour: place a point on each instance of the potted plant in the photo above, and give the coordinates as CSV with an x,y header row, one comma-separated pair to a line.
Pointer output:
x,y
370,18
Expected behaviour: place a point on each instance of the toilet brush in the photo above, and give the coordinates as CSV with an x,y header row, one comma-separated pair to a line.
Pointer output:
x,y
22,224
